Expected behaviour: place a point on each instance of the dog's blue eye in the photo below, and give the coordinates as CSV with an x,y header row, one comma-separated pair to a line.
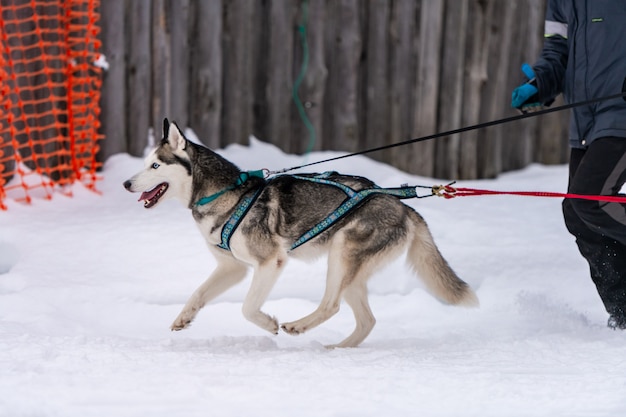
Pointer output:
x,y
155,165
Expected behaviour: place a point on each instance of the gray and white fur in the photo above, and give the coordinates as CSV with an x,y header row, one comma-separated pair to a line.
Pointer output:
x,y
372,235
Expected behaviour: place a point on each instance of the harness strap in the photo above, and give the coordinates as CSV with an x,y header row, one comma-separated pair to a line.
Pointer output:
x,y
354,199
242,207
321,179
233,222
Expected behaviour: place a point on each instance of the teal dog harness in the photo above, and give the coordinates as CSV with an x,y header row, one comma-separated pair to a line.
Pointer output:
x,y
353,199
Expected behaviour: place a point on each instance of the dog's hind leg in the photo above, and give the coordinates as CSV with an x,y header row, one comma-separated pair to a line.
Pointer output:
x,y
356,297
355,253
263,280
337,278
228,273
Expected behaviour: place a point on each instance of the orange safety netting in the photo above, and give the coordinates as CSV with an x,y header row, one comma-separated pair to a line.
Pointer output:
x,y
50,81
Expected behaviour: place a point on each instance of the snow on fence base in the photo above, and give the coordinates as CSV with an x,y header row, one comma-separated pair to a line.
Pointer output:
x,y
50,82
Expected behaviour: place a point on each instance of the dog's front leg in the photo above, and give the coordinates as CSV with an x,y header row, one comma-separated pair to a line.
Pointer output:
x,y
263,280
228,273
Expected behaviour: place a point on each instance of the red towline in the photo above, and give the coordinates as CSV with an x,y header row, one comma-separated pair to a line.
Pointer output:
x,y
447,191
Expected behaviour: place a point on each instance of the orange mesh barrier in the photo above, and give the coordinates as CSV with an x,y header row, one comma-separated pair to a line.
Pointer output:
x,y
50,85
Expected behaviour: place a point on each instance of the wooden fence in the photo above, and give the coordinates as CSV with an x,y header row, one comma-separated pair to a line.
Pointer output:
x,y
378,72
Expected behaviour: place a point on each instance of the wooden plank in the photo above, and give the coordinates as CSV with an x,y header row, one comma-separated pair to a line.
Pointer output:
x,y
179,85
258,24
376,97
113,98
451,91
427,85
497,93
139,76
403,57
279,73
517,147
259,52
480,13
205,95
238,75
313,87
161,66
342,99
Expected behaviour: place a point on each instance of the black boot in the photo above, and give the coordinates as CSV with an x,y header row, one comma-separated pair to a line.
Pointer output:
x,y
617,322
607,265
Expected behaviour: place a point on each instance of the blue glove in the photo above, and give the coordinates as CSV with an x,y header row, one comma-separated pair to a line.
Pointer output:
x,y
524,96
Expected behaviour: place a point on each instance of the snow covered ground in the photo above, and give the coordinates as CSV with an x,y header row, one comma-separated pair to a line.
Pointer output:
x,y
89,286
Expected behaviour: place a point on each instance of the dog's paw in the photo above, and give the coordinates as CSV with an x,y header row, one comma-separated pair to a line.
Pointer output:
x,y
177,325
272,325
293,328
182,321
262,320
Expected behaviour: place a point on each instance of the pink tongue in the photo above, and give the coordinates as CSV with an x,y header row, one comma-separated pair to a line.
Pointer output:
x,y
147,195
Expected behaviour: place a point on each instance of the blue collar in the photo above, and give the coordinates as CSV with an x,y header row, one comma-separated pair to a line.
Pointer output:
x,y
243,177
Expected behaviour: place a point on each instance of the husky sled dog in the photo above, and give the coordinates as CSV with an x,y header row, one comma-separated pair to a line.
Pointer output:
x,y
249,221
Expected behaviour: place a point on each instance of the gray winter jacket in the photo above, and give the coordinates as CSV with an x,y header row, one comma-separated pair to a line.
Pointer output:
x,y
584,57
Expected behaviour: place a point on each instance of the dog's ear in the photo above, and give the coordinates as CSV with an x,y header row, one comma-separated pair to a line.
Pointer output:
x,y
175,137
166,127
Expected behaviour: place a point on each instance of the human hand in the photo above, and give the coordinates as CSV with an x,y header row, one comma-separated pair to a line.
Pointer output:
x,y
524,97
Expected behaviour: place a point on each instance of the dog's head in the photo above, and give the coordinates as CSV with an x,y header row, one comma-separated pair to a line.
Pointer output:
x,y
167,171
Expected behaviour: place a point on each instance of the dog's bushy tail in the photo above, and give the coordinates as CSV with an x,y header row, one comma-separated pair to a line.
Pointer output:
x,y
440,280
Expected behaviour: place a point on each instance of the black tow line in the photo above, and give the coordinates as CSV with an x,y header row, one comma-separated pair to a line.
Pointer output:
x,y
467,129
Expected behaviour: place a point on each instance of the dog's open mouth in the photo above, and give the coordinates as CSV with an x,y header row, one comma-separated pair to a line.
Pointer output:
x,y
150,198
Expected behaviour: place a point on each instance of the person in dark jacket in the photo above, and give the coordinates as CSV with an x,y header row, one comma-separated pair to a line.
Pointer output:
x,y
584,57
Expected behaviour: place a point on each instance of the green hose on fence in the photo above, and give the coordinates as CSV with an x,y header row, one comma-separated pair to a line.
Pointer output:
x,y
296,85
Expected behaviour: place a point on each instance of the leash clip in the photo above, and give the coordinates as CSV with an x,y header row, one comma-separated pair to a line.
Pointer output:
x,y
445,191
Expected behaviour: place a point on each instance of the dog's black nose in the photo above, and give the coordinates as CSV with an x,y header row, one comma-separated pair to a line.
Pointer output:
x,y
127,184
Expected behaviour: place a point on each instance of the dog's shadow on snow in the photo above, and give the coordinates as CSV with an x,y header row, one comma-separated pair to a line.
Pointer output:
x,y
240,344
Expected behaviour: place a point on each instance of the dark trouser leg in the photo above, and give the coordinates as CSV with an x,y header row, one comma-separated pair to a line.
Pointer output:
x,y
600,228
607,263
